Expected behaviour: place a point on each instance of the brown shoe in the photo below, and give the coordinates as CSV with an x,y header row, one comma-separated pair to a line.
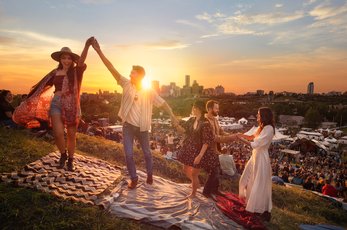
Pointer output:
x,y
132,184
62,160
149,179
70,166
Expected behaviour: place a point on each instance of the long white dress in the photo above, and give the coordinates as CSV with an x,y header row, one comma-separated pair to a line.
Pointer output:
x,y
255,183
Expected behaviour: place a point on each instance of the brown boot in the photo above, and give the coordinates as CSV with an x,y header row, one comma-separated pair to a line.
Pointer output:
x,y
70,166
132,184
149,179
62,160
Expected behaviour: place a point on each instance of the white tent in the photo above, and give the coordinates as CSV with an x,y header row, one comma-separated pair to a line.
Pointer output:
x,y
243,121
338,133
117,128
343,140
229,119
231,126
310,135
330,140
279,136
185,118
319,144
282,130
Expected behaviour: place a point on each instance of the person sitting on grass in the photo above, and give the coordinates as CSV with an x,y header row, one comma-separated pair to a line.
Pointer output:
x,y
6,109
328,189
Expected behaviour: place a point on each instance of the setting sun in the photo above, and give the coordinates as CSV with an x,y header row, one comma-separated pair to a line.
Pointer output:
x,y
146,84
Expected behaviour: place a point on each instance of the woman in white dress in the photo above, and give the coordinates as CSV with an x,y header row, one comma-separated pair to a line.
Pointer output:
x,y
255,184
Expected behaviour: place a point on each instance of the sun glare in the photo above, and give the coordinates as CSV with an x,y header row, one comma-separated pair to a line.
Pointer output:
x,y
146,84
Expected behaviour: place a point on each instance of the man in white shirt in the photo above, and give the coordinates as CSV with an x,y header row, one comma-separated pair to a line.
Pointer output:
x,y
136,114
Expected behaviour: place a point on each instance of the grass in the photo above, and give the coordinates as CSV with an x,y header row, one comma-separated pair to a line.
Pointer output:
x,y
29,209
344,130
22,208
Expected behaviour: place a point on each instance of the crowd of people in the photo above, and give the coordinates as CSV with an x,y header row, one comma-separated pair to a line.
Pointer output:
x,y
314,172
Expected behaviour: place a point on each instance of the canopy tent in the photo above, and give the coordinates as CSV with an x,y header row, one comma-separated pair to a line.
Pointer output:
x,y
310,135
243,121
291,152
319,144
305,145
230,119
282,130
338,133
231,126
185,118
330,140
117,128
343,140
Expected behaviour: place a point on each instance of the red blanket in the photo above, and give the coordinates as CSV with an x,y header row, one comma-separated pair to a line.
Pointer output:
x,y
235,208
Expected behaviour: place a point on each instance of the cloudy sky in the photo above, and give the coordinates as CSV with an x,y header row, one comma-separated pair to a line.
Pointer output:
x,y
240,44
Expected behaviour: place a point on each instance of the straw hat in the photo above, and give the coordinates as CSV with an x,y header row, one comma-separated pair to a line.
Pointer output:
x,y
64,50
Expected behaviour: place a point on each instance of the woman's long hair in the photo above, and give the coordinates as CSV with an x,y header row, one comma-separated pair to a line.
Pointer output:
x,y
201,106
266,118
70,74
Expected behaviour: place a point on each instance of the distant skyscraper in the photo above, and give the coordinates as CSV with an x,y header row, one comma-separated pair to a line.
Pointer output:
x,y
187,81
310,88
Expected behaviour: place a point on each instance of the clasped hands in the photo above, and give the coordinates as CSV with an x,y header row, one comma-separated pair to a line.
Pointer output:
x,y
93,42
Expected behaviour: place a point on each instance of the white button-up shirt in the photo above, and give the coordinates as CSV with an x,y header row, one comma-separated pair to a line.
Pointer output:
x,y
138,112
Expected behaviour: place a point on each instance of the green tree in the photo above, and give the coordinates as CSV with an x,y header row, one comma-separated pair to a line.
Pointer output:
x,y
312,118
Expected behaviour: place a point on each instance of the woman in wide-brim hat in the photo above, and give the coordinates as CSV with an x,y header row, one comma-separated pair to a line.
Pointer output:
x,y
59,107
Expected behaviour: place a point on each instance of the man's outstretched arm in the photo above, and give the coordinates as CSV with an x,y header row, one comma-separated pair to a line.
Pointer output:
x,y
107,63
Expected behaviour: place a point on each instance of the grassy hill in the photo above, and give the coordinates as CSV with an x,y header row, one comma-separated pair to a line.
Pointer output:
x,y
22,208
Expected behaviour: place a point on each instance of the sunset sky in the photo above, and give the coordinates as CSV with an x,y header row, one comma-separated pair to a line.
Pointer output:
x,y
242,45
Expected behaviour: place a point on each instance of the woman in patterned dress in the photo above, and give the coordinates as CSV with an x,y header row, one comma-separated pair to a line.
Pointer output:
x,y
196,151
60,107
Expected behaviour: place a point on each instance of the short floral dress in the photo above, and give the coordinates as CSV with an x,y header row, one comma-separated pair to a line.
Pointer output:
x,y
195,138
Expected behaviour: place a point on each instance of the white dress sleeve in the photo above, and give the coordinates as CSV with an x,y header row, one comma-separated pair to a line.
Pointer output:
x,y
264,137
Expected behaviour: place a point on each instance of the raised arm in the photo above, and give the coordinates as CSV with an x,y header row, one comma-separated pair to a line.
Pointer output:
x,y
107,63
85,51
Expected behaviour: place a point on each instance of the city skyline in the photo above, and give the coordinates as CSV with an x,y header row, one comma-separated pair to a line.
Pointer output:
x,y
242,45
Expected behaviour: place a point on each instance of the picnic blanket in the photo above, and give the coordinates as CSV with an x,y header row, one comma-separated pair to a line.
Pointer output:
x,y
97,182
87,184
165,204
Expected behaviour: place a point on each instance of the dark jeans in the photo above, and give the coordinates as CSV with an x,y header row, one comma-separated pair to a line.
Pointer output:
x,y
212,182
129,133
